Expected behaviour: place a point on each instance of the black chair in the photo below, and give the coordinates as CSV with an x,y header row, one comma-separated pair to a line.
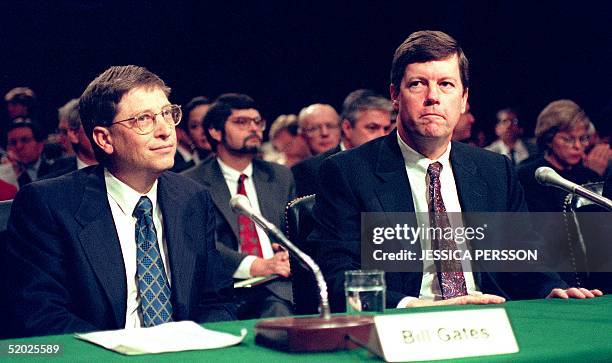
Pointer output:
x,y
298,215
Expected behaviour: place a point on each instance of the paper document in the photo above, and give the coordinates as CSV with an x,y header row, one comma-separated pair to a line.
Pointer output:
x,y
254,281
170,337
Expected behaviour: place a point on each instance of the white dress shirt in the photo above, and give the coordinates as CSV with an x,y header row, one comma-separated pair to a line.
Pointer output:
x,y
123,200
416,169
520,150
231,179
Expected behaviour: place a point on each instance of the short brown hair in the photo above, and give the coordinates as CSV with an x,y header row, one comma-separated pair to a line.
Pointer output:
x,y
560,115
98,104
425,46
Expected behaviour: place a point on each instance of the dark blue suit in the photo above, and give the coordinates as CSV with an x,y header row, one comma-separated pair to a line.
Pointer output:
x,y
372,178
65,270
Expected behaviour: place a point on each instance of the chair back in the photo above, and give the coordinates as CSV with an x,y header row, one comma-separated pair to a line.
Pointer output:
x,y
300,223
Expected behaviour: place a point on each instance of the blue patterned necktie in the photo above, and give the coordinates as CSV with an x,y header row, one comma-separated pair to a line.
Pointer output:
x,y
152,282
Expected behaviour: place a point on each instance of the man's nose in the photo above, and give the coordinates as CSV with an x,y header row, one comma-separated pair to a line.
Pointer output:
x,y
432,96
162,127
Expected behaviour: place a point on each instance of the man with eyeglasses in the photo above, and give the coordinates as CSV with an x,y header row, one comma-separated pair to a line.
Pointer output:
x,y
124,244
75,139
234,128
365,116
319,124
25,144
509,131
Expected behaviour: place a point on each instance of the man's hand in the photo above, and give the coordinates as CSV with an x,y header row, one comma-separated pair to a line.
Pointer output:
x,y
278,264
482,299
574,292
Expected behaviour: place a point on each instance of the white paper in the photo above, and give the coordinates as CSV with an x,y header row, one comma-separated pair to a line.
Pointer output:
x,y
170,337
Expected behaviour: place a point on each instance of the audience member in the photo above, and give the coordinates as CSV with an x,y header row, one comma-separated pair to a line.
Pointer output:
x,y
73,262
286,139
463,130
562,131
77,139
62,126
509,132
20,102
365,117
25,143
320,127
192,145
234,129
429,87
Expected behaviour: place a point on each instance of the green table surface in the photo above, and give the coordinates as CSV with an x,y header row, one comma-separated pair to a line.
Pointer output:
x,y
546,330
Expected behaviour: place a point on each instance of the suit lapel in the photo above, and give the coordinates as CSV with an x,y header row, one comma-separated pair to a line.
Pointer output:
x,y
215,182
179,245
264,187
471,188
393,191
99,240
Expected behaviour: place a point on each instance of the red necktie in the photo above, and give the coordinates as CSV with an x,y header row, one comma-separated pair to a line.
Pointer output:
x,y
450,273
249,242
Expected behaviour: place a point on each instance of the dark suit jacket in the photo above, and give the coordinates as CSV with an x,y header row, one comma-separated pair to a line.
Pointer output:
x,y
275,188
372,178
60,167
306,173
64,263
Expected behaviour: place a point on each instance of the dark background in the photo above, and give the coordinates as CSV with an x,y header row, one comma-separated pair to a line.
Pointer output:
x,y
287,54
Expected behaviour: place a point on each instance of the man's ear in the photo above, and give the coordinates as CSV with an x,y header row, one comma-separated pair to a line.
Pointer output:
x,y
215,134
346,128
464,100
394,93
103,139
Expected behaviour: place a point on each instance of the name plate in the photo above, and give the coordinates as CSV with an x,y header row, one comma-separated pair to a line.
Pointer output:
x,y
443,335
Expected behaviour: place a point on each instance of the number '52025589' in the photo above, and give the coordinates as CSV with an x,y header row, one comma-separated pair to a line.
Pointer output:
x,y
32,349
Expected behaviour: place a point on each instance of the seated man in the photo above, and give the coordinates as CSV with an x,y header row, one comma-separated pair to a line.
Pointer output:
x,y
365,116
235,128
419,169
121,245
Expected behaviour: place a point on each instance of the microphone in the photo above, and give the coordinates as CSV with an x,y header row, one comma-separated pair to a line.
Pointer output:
x,y
323,333
548,177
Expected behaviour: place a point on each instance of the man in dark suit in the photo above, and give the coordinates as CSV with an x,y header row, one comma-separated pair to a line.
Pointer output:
x,y
234,128
124,244
397,173
365,116
25,144
70,124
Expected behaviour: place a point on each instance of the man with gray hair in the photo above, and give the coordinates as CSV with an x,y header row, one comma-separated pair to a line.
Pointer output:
x,y
71,128
319,124
365,117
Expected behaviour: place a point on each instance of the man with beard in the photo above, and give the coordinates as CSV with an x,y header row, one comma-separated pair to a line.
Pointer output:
x,y
234,129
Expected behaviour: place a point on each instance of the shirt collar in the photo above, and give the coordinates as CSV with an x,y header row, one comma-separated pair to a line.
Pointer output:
x,y
414,158
233,174
126,197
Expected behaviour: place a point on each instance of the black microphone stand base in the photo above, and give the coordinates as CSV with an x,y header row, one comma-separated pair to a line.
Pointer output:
x,y
313,334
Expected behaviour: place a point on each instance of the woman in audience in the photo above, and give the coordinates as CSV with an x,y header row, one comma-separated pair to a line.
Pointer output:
x,y
562,131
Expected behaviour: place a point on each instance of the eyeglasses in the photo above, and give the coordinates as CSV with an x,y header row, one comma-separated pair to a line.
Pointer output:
x,y
319,128
20,140
571,141
145,122
510,121
245,122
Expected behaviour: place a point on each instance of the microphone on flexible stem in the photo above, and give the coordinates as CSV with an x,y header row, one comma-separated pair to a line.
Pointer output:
x,y
547,176
323,333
